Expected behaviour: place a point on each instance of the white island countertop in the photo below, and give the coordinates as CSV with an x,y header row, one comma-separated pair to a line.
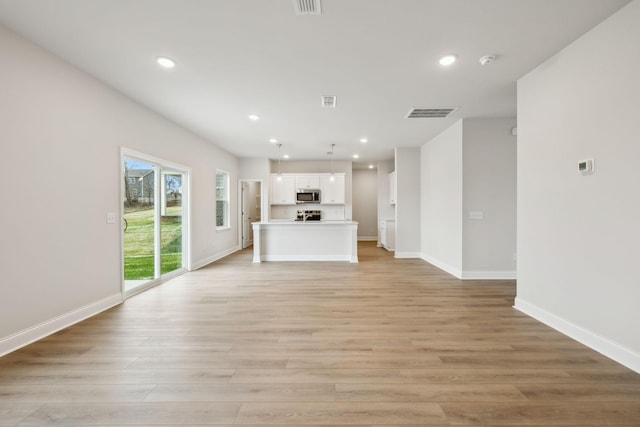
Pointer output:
x,y
291,221
289,240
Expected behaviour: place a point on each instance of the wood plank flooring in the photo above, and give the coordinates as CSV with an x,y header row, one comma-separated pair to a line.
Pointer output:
x,y
386,342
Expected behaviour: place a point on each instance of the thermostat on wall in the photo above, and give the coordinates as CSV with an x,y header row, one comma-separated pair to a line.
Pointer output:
x,y
585,167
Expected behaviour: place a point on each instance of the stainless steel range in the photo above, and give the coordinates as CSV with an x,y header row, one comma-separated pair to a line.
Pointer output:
x,y
308,216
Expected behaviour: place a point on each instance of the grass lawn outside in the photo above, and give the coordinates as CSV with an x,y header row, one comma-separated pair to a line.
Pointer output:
x,y
139,243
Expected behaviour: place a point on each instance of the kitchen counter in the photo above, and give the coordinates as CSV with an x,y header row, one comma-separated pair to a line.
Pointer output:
x,y
289,240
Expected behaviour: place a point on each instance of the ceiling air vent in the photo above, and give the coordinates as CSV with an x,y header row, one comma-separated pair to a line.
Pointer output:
x,y
329,101
430,113
307,7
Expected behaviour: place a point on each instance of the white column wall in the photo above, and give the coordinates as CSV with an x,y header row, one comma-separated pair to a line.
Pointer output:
x,y
441,200
385,210
578,235
408,202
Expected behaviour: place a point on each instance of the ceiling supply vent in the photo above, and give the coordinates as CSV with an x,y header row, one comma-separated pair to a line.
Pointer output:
x,y
307,7
329,101
430,113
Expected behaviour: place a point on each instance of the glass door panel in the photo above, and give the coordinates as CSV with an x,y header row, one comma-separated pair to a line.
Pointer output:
x,y
139,223
171,230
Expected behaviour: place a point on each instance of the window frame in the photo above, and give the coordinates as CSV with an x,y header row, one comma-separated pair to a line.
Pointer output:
x,y
226,220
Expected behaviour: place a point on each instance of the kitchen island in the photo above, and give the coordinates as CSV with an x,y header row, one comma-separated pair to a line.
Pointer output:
x,y
287,240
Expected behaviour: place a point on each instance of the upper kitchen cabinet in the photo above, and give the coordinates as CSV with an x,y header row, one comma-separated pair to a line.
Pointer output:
x,y
308,181
393,188
332,191
282,190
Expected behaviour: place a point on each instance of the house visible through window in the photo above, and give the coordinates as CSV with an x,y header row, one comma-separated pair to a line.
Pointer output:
x,y
222,199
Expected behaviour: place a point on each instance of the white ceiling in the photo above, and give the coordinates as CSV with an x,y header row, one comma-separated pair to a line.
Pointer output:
x,y
379,57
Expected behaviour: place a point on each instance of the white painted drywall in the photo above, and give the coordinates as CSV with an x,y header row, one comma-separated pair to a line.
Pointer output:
x,y
407,166
365,203
489,187
62,132
578,235
441,200
385,210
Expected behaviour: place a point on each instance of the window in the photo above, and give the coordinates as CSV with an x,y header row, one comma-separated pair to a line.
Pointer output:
x,y
222,199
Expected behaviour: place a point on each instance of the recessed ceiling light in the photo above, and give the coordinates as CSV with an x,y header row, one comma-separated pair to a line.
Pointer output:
x,y
254,117
448,59
370,166
364,140
356,156
286,156
165,62
273,141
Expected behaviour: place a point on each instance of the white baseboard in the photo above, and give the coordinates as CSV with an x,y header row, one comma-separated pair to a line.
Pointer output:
x,y
367,238
215,257
46,328
456,272
407,254
488,275
612,350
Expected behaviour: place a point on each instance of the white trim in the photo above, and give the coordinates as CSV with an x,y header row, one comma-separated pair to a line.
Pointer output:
x,y
611,349
456,272
215,257
186,213
262,209
489,275
51,326
367,238
407,254
227,215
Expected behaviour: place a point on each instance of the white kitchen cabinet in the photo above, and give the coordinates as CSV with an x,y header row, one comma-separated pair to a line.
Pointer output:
x,y
308,181
283,190
388,234
393,188
332,192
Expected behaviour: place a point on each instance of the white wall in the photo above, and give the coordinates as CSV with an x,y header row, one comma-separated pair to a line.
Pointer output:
x,y
578,235
407,166
441,200
385,210
365,203
489,186
62,135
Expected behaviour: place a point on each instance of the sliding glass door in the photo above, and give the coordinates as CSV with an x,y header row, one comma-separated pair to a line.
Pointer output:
x,y
154,237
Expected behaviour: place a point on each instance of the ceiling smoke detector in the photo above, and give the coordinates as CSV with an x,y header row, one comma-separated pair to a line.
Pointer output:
x,y
307,7
329,101
487,59
430,113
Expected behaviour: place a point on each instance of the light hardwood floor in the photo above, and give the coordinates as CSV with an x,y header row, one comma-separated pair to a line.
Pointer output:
x,y
385,342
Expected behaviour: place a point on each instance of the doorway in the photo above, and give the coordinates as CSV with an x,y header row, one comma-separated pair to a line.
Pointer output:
x,y
250,209
154,213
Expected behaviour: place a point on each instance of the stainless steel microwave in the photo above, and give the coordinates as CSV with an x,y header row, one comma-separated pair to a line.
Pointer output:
x,y
304,195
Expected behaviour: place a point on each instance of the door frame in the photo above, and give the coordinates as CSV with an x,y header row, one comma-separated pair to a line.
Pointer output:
x,y
262,205
186,216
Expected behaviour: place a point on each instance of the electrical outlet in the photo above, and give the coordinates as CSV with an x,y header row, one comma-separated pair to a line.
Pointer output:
x,y
111,218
